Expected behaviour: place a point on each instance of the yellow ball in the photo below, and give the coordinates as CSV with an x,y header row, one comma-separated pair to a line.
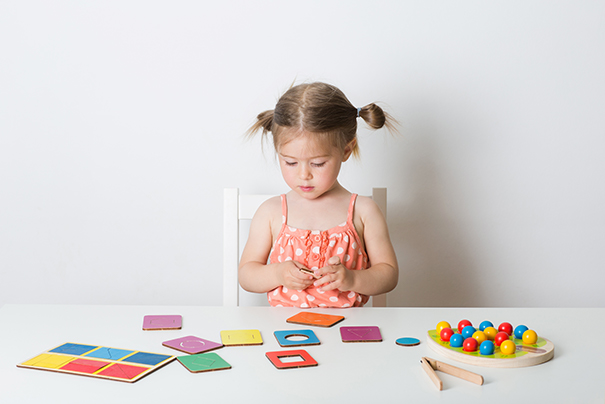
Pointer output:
x,y
479,336
490,333
441,325
508,347
530,337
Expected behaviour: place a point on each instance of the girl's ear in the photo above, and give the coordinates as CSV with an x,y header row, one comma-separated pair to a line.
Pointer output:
x,y
349,149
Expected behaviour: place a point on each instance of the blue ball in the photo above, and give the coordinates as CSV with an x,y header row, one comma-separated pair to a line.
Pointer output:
x,y
456,341
519,330
485,324
486,348
468,331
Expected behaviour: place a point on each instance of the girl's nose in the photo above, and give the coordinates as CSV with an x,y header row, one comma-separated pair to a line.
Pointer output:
x,y
305,173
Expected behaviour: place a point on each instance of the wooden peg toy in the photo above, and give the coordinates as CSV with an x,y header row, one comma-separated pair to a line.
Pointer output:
x,y
431,365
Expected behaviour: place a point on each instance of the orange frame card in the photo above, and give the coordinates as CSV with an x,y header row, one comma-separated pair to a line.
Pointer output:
x,y
316,319
306,359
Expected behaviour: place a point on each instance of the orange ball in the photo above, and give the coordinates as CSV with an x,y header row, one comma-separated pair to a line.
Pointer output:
x,y
490,333
508,347
479,336
441,325
530,337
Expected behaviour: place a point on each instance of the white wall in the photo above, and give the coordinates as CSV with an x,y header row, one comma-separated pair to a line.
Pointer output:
x,y
121,122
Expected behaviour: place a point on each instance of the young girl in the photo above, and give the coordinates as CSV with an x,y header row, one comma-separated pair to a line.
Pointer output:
x,y
326,246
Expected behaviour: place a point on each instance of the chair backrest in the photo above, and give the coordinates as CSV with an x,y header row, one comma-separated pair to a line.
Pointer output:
x,y
238,207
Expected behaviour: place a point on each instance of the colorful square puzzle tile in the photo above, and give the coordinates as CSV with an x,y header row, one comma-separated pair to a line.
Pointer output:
x,y
73,349
174,322
85,366
122,371
203,362
49,361
241,337
305,359
146,358
316,319
109,353
192,345
360,334
296,338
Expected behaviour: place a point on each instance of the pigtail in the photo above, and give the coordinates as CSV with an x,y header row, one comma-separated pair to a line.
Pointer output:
x,y
264,123
376,118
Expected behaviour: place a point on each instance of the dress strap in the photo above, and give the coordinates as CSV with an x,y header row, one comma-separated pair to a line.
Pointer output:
x,y
284,209
351,208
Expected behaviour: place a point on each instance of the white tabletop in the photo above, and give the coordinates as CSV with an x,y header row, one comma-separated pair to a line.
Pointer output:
x,y
353,372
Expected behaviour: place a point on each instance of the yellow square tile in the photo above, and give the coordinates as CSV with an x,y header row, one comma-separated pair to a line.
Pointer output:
x,y
49,361
241,337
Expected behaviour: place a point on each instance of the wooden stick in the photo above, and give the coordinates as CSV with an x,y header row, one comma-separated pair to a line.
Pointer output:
x,y
455,371
431,372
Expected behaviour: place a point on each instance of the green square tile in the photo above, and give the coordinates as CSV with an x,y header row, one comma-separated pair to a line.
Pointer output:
x,y
203,362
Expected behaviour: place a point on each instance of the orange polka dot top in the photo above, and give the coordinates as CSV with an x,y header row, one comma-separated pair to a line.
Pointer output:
x,y
313,248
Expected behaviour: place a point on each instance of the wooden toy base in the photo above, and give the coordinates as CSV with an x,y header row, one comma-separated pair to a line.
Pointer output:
x,y
526,355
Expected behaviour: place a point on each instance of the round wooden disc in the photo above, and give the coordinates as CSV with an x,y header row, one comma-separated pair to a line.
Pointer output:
x,y
525,355
407,341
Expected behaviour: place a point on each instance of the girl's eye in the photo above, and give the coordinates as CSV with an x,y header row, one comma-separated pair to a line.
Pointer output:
x,y
319,164
290,163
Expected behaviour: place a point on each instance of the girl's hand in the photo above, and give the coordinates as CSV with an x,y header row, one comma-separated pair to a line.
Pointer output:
x,y
293,278
334,276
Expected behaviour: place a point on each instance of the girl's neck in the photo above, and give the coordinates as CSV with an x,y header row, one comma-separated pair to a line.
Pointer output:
x,y
322,213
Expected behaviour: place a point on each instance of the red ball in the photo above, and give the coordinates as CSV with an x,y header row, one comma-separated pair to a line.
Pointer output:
x,y
462,324
500,337
446,334
506,327
470,345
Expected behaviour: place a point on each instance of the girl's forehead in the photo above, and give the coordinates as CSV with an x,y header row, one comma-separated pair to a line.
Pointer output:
x,y
306,144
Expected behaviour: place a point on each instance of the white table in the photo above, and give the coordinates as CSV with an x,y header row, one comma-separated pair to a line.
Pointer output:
x,y
352,372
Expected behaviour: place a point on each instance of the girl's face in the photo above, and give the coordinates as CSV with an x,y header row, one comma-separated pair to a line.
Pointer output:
x,y
310,168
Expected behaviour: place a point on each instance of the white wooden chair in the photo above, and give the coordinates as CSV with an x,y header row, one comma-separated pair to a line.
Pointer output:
x,y
238,207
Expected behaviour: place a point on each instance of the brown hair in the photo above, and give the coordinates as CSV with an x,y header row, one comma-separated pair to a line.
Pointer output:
x,y
321,109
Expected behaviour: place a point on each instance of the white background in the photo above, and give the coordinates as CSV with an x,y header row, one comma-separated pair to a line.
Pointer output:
x,y
122,121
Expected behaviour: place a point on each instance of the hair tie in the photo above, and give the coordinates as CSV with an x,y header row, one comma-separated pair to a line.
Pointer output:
x,y
358,111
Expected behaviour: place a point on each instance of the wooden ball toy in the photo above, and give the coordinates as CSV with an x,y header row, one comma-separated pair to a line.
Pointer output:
x,y
470,345
479,336
519,330
446,333
468,331
530,337
500,337
508,347
485,324
490,333
486,348
456,341
506,327
462,324
441,325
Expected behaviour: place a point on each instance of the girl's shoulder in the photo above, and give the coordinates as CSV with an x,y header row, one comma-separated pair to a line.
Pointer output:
x,y
270,207
365,205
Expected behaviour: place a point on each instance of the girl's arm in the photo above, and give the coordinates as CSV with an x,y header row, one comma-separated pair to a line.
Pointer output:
x,y
255,275
383,275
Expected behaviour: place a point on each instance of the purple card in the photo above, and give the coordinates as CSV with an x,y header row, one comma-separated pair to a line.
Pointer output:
x,y
360,334
162,322
192,345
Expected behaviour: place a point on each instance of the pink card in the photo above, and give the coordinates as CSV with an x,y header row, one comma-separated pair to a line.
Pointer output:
x,y
360,334
162,322
192,345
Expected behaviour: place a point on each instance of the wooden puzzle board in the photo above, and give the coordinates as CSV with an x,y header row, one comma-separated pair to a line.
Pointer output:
x,y
98,361
526,355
